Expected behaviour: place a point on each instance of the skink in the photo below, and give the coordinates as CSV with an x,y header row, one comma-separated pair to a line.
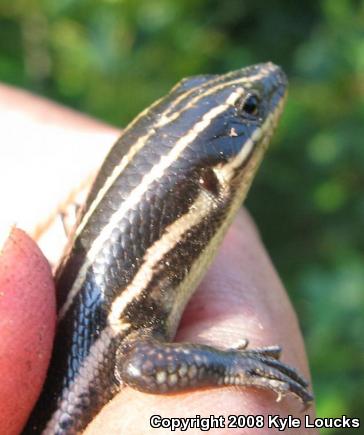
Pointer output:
x,y
150,227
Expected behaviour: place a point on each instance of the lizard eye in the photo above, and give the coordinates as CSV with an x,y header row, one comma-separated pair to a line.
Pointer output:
x,y
249,106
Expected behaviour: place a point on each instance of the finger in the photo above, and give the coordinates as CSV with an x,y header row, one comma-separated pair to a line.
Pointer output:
x,y
27,321
241,297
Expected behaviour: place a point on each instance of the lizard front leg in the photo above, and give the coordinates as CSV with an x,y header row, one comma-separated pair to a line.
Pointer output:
x,y
153,366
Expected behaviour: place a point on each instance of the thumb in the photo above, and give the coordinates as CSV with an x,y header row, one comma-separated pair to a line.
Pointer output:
x,y
27,323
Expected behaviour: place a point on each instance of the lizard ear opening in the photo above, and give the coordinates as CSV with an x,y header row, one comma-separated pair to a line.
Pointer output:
x,y
209,181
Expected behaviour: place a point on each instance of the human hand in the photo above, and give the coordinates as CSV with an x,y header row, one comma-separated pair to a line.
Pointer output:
x,y
241,296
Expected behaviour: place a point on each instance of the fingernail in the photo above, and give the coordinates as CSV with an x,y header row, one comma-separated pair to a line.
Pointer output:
x,y
5,230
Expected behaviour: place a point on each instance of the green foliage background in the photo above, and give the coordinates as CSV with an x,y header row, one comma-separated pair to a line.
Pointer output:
x,y
111,58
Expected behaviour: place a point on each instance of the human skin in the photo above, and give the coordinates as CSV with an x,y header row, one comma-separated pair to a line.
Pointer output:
x,y
240,297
